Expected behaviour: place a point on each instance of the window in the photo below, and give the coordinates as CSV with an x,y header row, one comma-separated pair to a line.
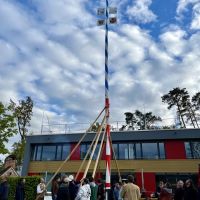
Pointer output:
x,y
39,152
33,152
48,152
188,150
59,152
65,151
131,151
150,151
138,151
115,149
161,150
195,149
83,150
123,151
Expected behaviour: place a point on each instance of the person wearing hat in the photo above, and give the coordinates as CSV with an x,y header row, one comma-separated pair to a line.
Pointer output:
x,y
73,187
84,192
63,191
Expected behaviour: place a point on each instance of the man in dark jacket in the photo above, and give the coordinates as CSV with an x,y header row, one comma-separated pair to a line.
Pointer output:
x,y
4,188
179,192
73,187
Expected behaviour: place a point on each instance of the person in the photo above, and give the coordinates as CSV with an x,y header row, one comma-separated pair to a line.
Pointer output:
x,y
20,190
190,192
4,188
55,187
41,189
63,191
94,188
73,188
166,192
130,191
179,192
101,190
121,184
158,190
84,192
116,191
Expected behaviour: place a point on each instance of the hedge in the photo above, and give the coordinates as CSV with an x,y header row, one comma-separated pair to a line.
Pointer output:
x,y
30,186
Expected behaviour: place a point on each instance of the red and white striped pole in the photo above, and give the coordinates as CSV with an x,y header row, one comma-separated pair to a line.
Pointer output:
x,y
107,106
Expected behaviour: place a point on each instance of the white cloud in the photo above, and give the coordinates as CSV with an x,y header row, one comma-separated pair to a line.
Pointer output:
x,y
57,58
183,7
140,12
195,24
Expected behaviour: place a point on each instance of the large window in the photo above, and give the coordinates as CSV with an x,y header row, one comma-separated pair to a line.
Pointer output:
x,y
84,149
150,150
125,151
192,149
50,152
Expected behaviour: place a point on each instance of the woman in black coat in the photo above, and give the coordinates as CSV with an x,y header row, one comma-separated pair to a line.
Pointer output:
x,y
63,191
20,191
190,191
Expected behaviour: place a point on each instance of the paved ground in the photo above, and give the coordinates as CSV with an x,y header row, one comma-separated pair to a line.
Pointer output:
x,y
47,198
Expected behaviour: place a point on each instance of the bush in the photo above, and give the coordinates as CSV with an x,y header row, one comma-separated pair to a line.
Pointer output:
x,y
30,186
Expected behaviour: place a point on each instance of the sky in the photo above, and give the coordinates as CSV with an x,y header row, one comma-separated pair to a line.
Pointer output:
x,y
53,51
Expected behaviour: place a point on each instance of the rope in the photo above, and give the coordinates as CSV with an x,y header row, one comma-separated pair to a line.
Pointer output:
x,y
93,150
74,149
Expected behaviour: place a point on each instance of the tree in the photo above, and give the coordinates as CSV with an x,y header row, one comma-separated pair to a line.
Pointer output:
x,y
130,120
177,97
7,126
141,120
145,120
181,99
23,113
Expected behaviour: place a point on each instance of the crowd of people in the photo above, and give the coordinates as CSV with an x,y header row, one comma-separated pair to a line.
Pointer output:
x,y
66,188
183,191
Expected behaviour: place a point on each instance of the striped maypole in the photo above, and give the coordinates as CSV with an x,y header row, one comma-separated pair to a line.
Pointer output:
x,y
106,21
107,106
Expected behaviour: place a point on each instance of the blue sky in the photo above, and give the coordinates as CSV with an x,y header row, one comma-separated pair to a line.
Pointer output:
x,y
54,52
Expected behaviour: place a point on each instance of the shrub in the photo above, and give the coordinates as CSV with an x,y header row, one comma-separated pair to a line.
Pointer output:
x,y
30,186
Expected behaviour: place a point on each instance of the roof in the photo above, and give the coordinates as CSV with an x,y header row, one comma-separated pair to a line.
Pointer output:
x,y
142,135
8,172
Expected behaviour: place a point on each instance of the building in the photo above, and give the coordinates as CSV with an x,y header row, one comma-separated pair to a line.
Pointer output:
x,y
151,155
9,167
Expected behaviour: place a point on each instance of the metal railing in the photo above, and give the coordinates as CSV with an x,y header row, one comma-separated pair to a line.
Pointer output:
x,y
115,126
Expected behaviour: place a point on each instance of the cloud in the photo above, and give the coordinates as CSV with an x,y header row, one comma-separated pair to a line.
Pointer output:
x,y
140,12
55,54
184,6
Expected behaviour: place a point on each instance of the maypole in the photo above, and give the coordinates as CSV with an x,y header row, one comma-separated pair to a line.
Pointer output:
x,y
107,108
106,21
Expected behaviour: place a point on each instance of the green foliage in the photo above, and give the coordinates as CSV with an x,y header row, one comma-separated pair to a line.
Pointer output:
x,y
18,151
141,120
23,112
7,126
30,187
